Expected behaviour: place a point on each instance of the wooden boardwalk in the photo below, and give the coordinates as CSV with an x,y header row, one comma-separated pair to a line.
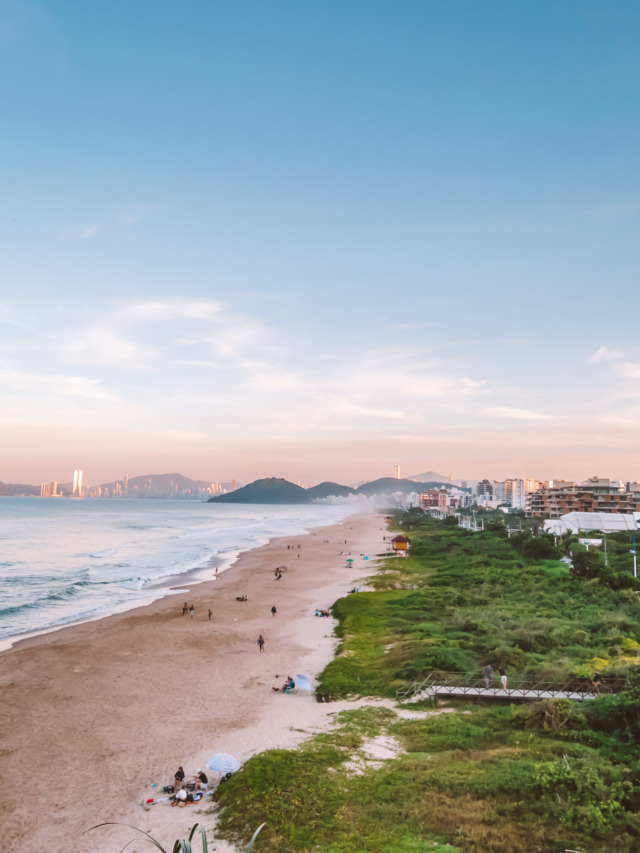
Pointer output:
x,y
498,693
440,684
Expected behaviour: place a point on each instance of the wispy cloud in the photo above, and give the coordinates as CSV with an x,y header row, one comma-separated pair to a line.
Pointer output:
x,y
628,370
54,384
169,309
605,353
84,232
516,414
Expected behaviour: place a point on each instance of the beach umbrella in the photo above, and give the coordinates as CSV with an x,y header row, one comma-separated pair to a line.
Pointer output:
x,y
303,683
350,560
223,763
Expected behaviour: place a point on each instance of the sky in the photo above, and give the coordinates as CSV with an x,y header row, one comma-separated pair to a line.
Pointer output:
x,y
315,240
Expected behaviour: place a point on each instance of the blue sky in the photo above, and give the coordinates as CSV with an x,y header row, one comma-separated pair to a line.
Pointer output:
x,y
317,239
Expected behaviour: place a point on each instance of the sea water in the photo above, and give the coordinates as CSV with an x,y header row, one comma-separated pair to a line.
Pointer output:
x,y
65,560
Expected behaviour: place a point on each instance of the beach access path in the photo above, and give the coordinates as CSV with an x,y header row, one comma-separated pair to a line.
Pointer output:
x,y
93,715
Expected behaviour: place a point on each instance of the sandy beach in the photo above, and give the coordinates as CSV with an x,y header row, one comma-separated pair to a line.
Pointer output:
x,y
93,715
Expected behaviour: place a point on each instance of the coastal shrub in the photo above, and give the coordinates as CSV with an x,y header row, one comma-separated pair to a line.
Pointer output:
x,y
552,775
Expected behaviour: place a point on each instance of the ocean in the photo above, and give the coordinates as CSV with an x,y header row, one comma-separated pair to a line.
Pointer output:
x,y
64,561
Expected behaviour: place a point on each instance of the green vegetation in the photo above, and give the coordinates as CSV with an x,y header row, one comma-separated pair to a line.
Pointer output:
x,y
180,845
547,776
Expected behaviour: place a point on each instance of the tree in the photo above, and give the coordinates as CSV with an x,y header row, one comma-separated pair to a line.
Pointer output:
x,y
586,564
541,548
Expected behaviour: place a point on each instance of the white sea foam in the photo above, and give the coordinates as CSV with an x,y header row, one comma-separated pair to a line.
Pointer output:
x,y
67,561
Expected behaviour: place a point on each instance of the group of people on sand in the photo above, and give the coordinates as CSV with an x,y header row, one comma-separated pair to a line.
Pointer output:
x,y
183,792
324,613
190,609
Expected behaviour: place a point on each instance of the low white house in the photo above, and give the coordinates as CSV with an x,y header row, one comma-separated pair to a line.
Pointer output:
x,y
607,522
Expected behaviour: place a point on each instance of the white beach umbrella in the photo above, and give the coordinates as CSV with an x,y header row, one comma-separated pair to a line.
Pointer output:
x,y
303,682
223,763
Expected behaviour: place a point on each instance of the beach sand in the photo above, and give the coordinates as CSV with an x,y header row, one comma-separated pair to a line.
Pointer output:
x,y
93,715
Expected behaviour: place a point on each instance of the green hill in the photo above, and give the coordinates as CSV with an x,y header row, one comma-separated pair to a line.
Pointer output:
x,y
271,490
328,490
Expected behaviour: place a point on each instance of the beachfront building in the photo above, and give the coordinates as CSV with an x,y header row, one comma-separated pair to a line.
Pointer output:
x,y
595,495
429,498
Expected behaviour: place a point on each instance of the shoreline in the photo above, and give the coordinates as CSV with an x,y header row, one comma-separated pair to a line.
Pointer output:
x,y
101,711
162,588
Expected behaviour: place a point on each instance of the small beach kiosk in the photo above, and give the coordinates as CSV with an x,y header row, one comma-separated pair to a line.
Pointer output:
x,y
400,545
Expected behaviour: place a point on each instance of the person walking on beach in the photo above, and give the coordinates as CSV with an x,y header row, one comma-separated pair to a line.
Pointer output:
x,y
185,608
260,642
503,677
210,614
488,675
273,610
191,611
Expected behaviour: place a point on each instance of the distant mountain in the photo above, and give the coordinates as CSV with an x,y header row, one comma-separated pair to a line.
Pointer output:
x,y
328,490
161,483
278,491
271,490
18,490
389,485
430,477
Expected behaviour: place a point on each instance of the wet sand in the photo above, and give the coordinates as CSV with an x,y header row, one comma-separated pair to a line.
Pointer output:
x,y
93,715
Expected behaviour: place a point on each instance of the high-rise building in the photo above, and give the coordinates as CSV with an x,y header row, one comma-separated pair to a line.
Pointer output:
x,y
77,483
396,472
125,490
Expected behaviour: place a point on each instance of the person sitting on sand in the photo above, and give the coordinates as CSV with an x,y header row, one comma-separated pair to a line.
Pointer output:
x,y
178,779
180,797
288,686
201,780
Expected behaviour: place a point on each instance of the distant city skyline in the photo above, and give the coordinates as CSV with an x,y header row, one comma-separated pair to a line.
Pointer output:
x,y
319,241
76,486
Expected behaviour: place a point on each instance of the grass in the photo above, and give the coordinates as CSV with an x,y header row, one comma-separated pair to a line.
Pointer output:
x,y
549,776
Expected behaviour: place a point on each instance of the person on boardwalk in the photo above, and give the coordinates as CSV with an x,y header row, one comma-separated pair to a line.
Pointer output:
x,y
210,613
273,610
503,677
260,642
596,681
488,675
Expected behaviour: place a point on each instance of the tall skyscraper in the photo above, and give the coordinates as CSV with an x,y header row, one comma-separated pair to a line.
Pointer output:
x,y
396,472
125,490
77,483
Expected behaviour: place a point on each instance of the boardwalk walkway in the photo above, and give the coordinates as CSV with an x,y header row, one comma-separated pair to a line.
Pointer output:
x,y
462,685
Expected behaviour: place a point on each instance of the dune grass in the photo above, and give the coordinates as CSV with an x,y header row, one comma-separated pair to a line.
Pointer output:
x,y
548,776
